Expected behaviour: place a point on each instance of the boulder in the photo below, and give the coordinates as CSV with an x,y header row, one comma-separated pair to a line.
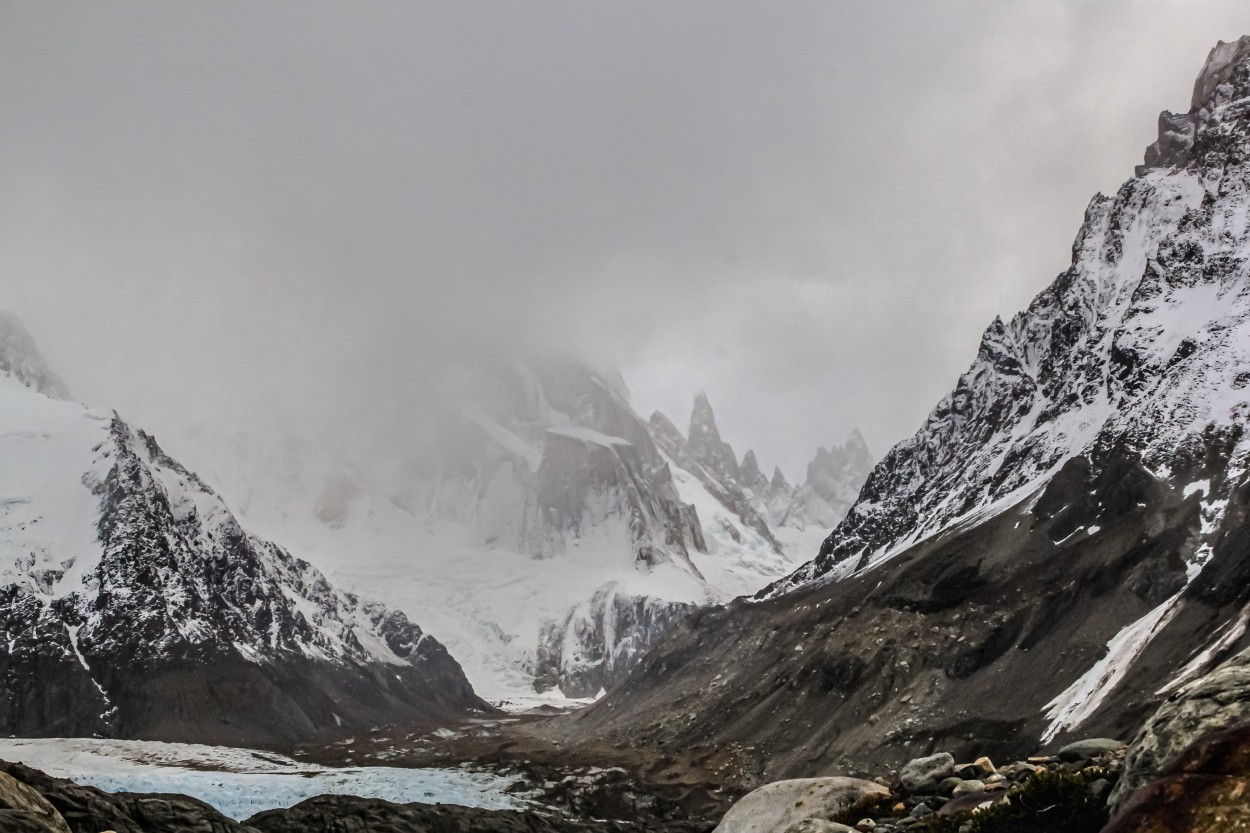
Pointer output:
x,y
923,775
1213,703
775,807
968,788
1087,750
22,810
1206,788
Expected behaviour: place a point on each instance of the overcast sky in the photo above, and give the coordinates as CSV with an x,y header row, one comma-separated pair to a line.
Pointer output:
x,y
285,211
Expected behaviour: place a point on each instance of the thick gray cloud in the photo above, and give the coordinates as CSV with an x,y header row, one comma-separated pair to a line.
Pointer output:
x,y
288,212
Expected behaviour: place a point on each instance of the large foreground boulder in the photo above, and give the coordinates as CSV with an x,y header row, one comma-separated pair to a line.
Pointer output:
x,y
1215,703
774,807
23,810
1206,788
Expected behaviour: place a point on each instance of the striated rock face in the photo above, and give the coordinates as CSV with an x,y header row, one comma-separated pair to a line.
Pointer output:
x,y
133,604
1064,542
602,639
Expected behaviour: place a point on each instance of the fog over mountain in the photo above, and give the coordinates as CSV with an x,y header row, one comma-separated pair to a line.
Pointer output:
x,y
259,218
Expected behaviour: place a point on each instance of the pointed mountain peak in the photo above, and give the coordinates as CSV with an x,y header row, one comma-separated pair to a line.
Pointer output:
x,y
20,359
702,418
750,472
779,481
706,443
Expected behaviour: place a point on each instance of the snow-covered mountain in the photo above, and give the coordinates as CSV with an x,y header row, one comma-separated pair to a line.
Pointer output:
x,y
1064,542
546,532
1142,345
132,602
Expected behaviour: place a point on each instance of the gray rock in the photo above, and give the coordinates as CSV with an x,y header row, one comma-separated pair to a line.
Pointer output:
x,y
1213,703
775,807
1087,750
968,788
948,785
920,811
922,775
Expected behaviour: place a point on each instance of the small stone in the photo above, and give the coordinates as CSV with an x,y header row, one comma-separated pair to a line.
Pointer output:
x,y
899,807
864,825
920,811
949,785
996,778
985,765
1100,789
968,788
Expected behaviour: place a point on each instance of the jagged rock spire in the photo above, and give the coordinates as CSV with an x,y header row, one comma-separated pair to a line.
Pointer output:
x,y
706,443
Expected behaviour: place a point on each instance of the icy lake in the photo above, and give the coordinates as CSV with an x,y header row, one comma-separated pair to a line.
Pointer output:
x,y
243,782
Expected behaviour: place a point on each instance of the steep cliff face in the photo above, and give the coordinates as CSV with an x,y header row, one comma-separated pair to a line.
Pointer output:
x,y
1064,541
132,603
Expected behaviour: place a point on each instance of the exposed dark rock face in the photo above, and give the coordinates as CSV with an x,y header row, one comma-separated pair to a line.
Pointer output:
x,y
601,640
1067,535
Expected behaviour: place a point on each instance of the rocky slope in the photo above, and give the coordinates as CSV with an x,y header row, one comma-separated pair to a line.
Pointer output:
x,y
133,604
1061,544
